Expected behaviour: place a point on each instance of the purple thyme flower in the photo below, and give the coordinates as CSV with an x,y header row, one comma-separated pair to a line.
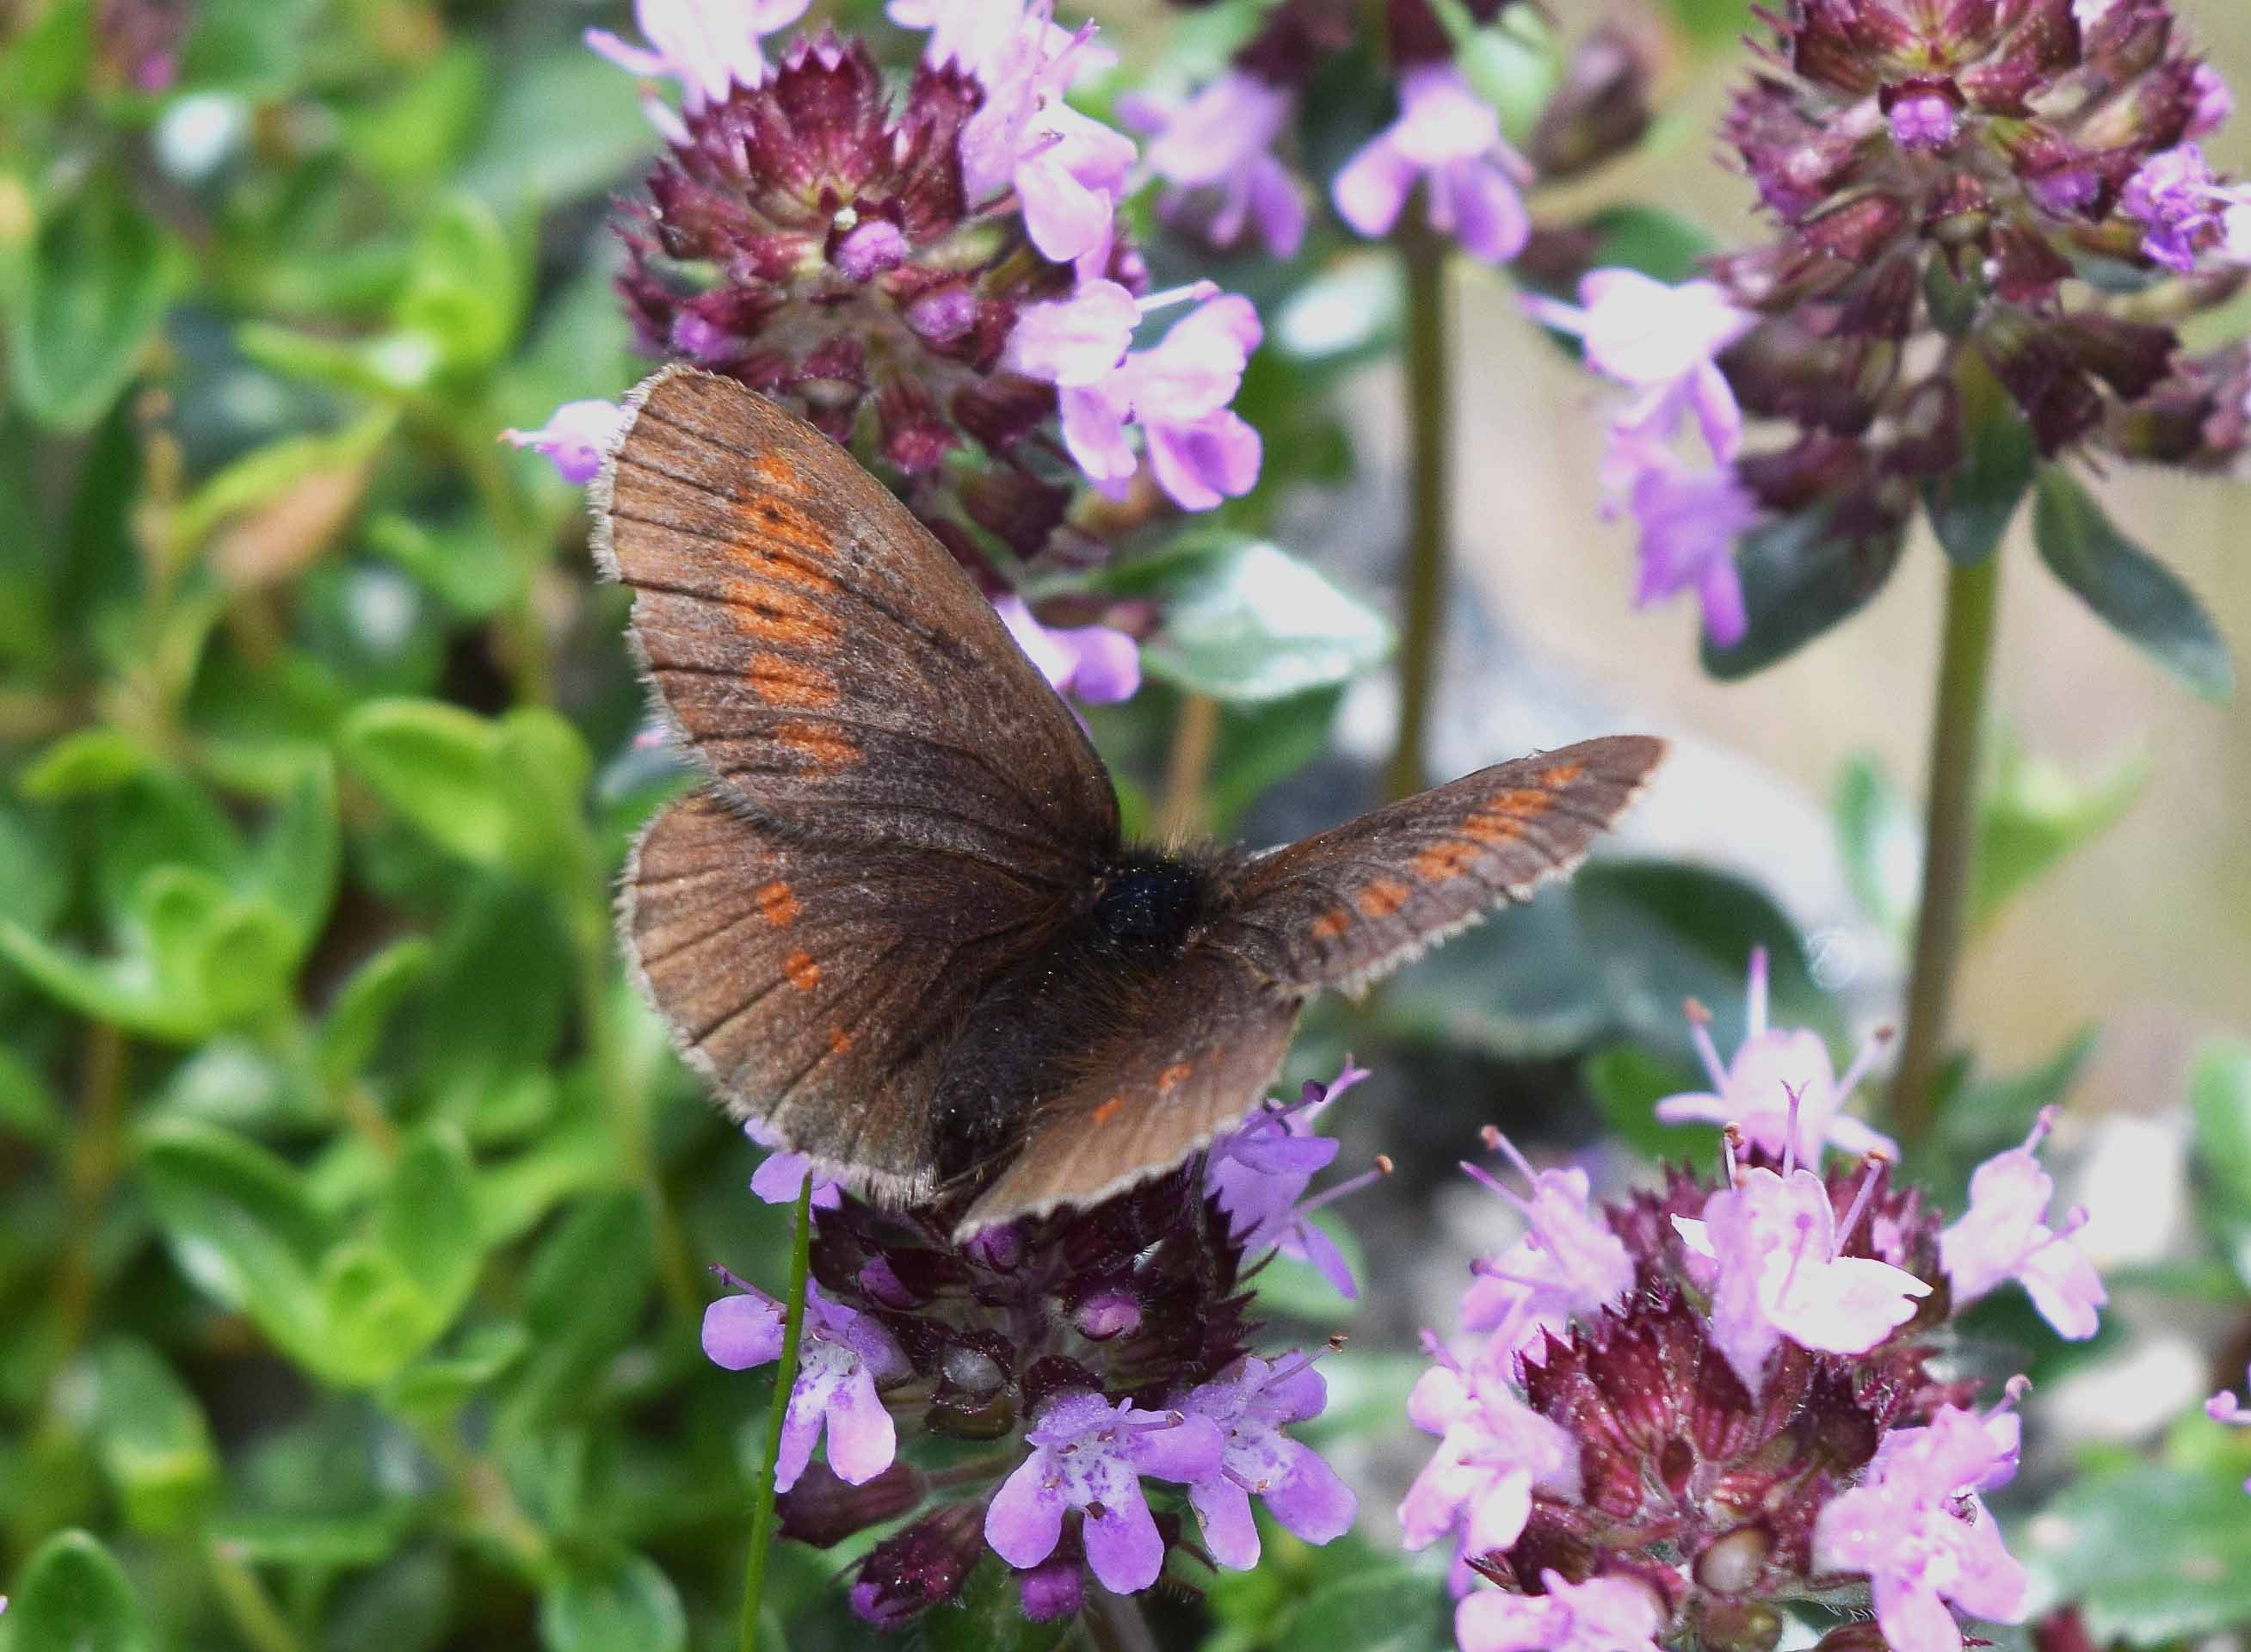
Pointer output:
x,y
2181,205
574,438
1659,341
1777,1268
2211,101
2004,1235
1689,520
1780,1089
1199,450
1924,122
779,1174
1068,170
1449,139
1098,664
1602,1615
976,35
1568,1264
1916,1530
1259,1174
1493,1452
844,1353
709,46
1090,1454
1216,152
1250,1405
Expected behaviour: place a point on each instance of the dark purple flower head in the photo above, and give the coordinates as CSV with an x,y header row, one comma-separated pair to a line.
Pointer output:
x,y
138,42
1972,156
1101,1356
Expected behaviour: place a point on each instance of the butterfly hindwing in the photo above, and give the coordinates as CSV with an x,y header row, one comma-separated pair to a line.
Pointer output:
x,y
823,655
819,988
1346,906
1205,1040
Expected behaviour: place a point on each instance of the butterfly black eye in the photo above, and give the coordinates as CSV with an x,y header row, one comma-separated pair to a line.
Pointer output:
x,y
1152,902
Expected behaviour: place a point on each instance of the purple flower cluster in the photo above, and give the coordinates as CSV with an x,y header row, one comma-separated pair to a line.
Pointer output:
x,y
1098,1352
1220,150
1669,1416
940,281
1941,177
2225,1407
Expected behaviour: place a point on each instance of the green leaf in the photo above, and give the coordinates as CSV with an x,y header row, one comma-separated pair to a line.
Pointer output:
x,y
238,1223
296,864
1663,932
197,959
2030,815
2220,1102
2150,1555
438,766
599,1609
27,1106
1799,581
439,1384
586,1291
84,761
1245,621
150,1433
467,565
1712,24
1970,507
1880,843
1262,744
2135,594
466,285
1521,985
390,365
389,1295
311,1540
72,1597
1627,1082
410,137
568,124
266,475
363,1007
497,995
1390,1610
91,291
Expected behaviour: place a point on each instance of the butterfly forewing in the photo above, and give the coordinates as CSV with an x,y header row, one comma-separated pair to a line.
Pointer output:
x,y
819,987
1346,906
1205,1041
823,655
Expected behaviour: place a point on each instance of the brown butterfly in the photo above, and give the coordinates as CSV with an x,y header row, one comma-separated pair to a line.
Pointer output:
x,y
897,921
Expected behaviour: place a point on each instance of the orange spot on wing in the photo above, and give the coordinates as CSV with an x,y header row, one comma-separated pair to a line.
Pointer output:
x,y
775,471
1174,1076
1501,816
1332,923
804,973
1562,774
777,904
1383,897
771,613
818,744
1108,1110
839,1040
1444,861
795,683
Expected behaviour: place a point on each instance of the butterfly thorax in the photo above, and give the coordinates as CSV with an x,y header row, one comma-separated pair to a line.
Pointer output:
x,y
1150,900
